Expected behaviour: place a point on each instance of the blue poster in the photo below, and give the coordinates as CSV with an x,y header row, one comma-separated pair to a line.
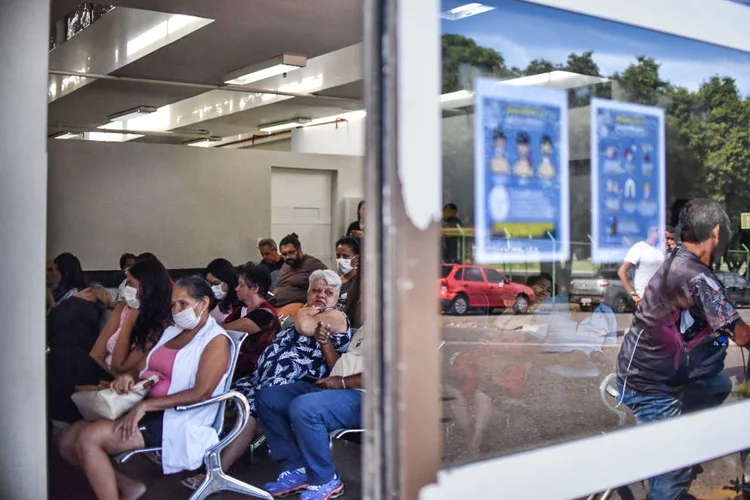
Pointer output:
x,y
628,194
521,173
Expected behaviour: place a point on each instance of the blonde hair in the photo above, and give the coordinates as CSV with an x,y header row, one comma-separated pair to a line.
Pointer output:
x,y
103,297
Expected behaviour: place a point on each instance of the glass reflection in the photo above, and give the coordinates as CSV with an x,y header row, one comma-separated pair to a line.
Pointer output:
x,y
659,325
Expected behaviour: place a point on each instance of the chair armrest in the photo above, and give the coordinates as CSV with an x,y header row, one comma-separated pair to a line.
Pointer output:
x,y
216,399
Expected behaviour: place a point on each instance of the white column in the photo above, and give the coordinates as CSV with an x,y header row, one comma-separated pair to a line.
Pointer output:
x,y
24,33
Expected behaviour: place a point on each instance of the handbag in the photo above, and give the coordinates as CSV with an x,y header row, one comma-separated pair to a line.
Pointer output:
x,y
106,404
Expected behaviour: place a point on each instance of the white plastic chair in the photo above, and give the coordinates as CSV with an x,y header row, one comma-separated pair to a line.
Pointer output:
x,y
216,479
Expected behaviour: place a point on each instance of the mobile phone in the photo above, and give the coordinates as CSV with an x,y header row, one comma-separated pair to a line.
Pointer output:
x,y
309,379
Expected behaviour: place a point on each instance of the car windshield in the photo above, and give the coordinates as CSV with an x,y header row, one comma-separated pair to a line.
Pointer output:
x,y
607,274
445,271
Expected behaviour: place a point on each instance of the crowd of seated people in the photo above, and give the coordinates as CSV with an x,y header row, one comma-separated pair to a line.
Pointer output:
x,y
177,330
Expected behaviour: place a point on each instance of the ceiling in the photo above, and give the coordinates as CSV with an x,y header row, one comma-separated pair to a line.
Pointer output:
x,y
242,33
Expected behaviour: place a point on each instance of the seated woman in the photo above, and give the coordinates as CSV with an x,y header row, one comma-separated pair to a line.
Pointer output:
x,y
72,329
294,354
347,262
222,276
259,318
68,274
135,325
193,359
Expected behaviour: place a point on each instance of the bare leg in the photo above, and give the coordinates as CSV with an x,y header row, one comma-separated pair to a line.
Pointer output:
x,y
95,443
239,446
66,443
129,488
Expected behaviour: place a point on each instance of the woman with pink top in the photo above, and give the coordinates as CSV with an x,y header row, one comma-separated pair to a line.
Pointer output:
x,y
192,360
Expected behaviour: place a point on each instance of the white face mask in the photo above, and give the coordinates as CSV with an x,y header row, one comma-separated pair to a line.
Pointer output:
x,y
219,292
130,295
344,265
186,319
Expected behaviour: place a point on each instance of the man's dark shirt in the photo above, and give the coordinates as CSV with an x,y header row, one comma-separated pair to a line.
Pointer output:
x,y
271,267
679,333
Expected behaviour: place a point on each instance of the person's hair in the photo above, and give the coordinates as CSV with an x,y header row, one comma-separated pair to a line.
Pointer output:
x,y
533,280
522,138
291,239
353,304
267,242
359,208
226,272
258,276
349,242
699,217
146,256
450,206
124,258
103,297
499,134
71,273
155,311
197,288
327,276
669,229
547,139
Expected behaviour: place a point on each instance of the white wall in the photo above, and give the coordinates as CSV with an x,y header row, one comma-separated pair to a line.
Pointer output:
x,y
346,138
186,205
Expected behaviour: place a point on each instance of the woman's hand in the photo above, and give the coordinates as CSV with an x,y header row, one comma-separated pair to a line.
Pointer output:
x,y
330,383
323,333
123,384
127,426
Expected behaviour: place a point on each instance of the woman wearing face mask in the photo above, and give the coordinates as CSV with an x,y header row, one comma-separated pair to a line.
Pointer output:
x,y
192,358
347,263
135,325
259,318
222,276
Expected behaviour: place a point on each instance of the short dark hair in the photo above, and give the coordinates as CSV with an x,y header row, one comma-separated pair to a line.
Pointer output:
x,y
533,280
124,258
267,242
291,239
699,217
256,275
450,206
670,229
349,242
197,287
499,134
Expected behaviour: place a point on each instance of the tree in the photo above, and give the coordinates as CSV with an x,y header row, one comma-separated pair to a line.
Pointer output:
x,y
640,82
463,60
582,64
539,66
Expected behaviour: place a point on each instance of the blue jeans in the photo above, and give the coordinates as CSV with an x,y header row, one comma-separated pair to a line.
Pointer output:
x,y
297,418
698,395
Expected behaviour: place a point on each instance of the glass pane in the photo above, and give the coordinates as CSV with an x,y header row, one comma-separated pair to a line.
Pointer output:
x,y
527,373
445,271
493,276
473,274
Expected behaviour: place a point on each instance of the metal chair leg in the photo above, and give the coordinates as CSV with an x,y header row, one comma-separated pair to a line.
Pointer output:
x,y
218,481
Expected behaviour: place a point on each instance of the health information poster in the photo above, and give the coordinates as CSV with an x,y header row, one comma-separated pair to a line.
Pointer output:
x,y
521,173
628,198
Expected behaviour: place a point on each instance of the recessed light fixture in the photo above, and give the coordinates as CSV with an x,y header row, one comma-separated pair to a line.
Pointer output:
x,y
464,11
285,125
66,135
132,113
276,66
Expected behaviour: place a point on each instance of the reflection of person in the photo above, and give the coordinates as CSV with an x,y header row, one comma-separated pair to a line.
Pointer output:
x,y
499,163
451,244
646,259
629,161
671,242
522,168
546,169
672,358
357,228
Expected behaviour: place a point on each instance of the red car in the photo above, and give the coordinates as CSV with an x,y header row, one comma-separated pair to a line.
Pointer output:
x,y
464,287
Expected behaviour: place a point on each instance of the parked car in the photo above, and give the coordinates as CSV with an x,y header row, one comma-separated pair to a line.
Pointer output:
x,y
464,287
604,286
738,288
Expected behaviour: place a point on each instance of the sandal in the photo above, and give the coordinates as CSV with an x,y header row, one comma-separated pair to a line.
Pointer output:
x,y
193,482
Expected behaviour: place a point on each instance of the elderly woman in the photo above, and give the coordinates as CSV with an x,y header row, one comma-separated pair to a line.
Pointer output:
x,y
294,354
192,359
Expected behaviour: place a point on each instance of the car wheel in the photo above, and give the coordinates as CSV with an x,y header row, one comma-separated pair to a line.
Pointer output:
x,y
521,306
620,305
460,305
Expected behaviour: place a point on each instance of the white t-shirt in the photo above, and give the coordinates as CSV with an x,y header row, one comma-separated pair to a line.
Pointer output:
x,y
352,361
646,260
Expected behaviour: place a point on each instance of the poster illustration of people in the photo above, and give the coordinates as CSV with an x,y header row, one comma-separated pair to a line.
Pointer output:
x,y
628,197
521,173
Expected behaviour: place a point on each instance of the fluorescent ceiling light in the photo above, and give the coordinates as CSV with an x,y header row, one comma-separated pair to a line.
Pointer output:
x,y
204,143
131,113
285,125
464,11
165,29
109,136
67,135
276,66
